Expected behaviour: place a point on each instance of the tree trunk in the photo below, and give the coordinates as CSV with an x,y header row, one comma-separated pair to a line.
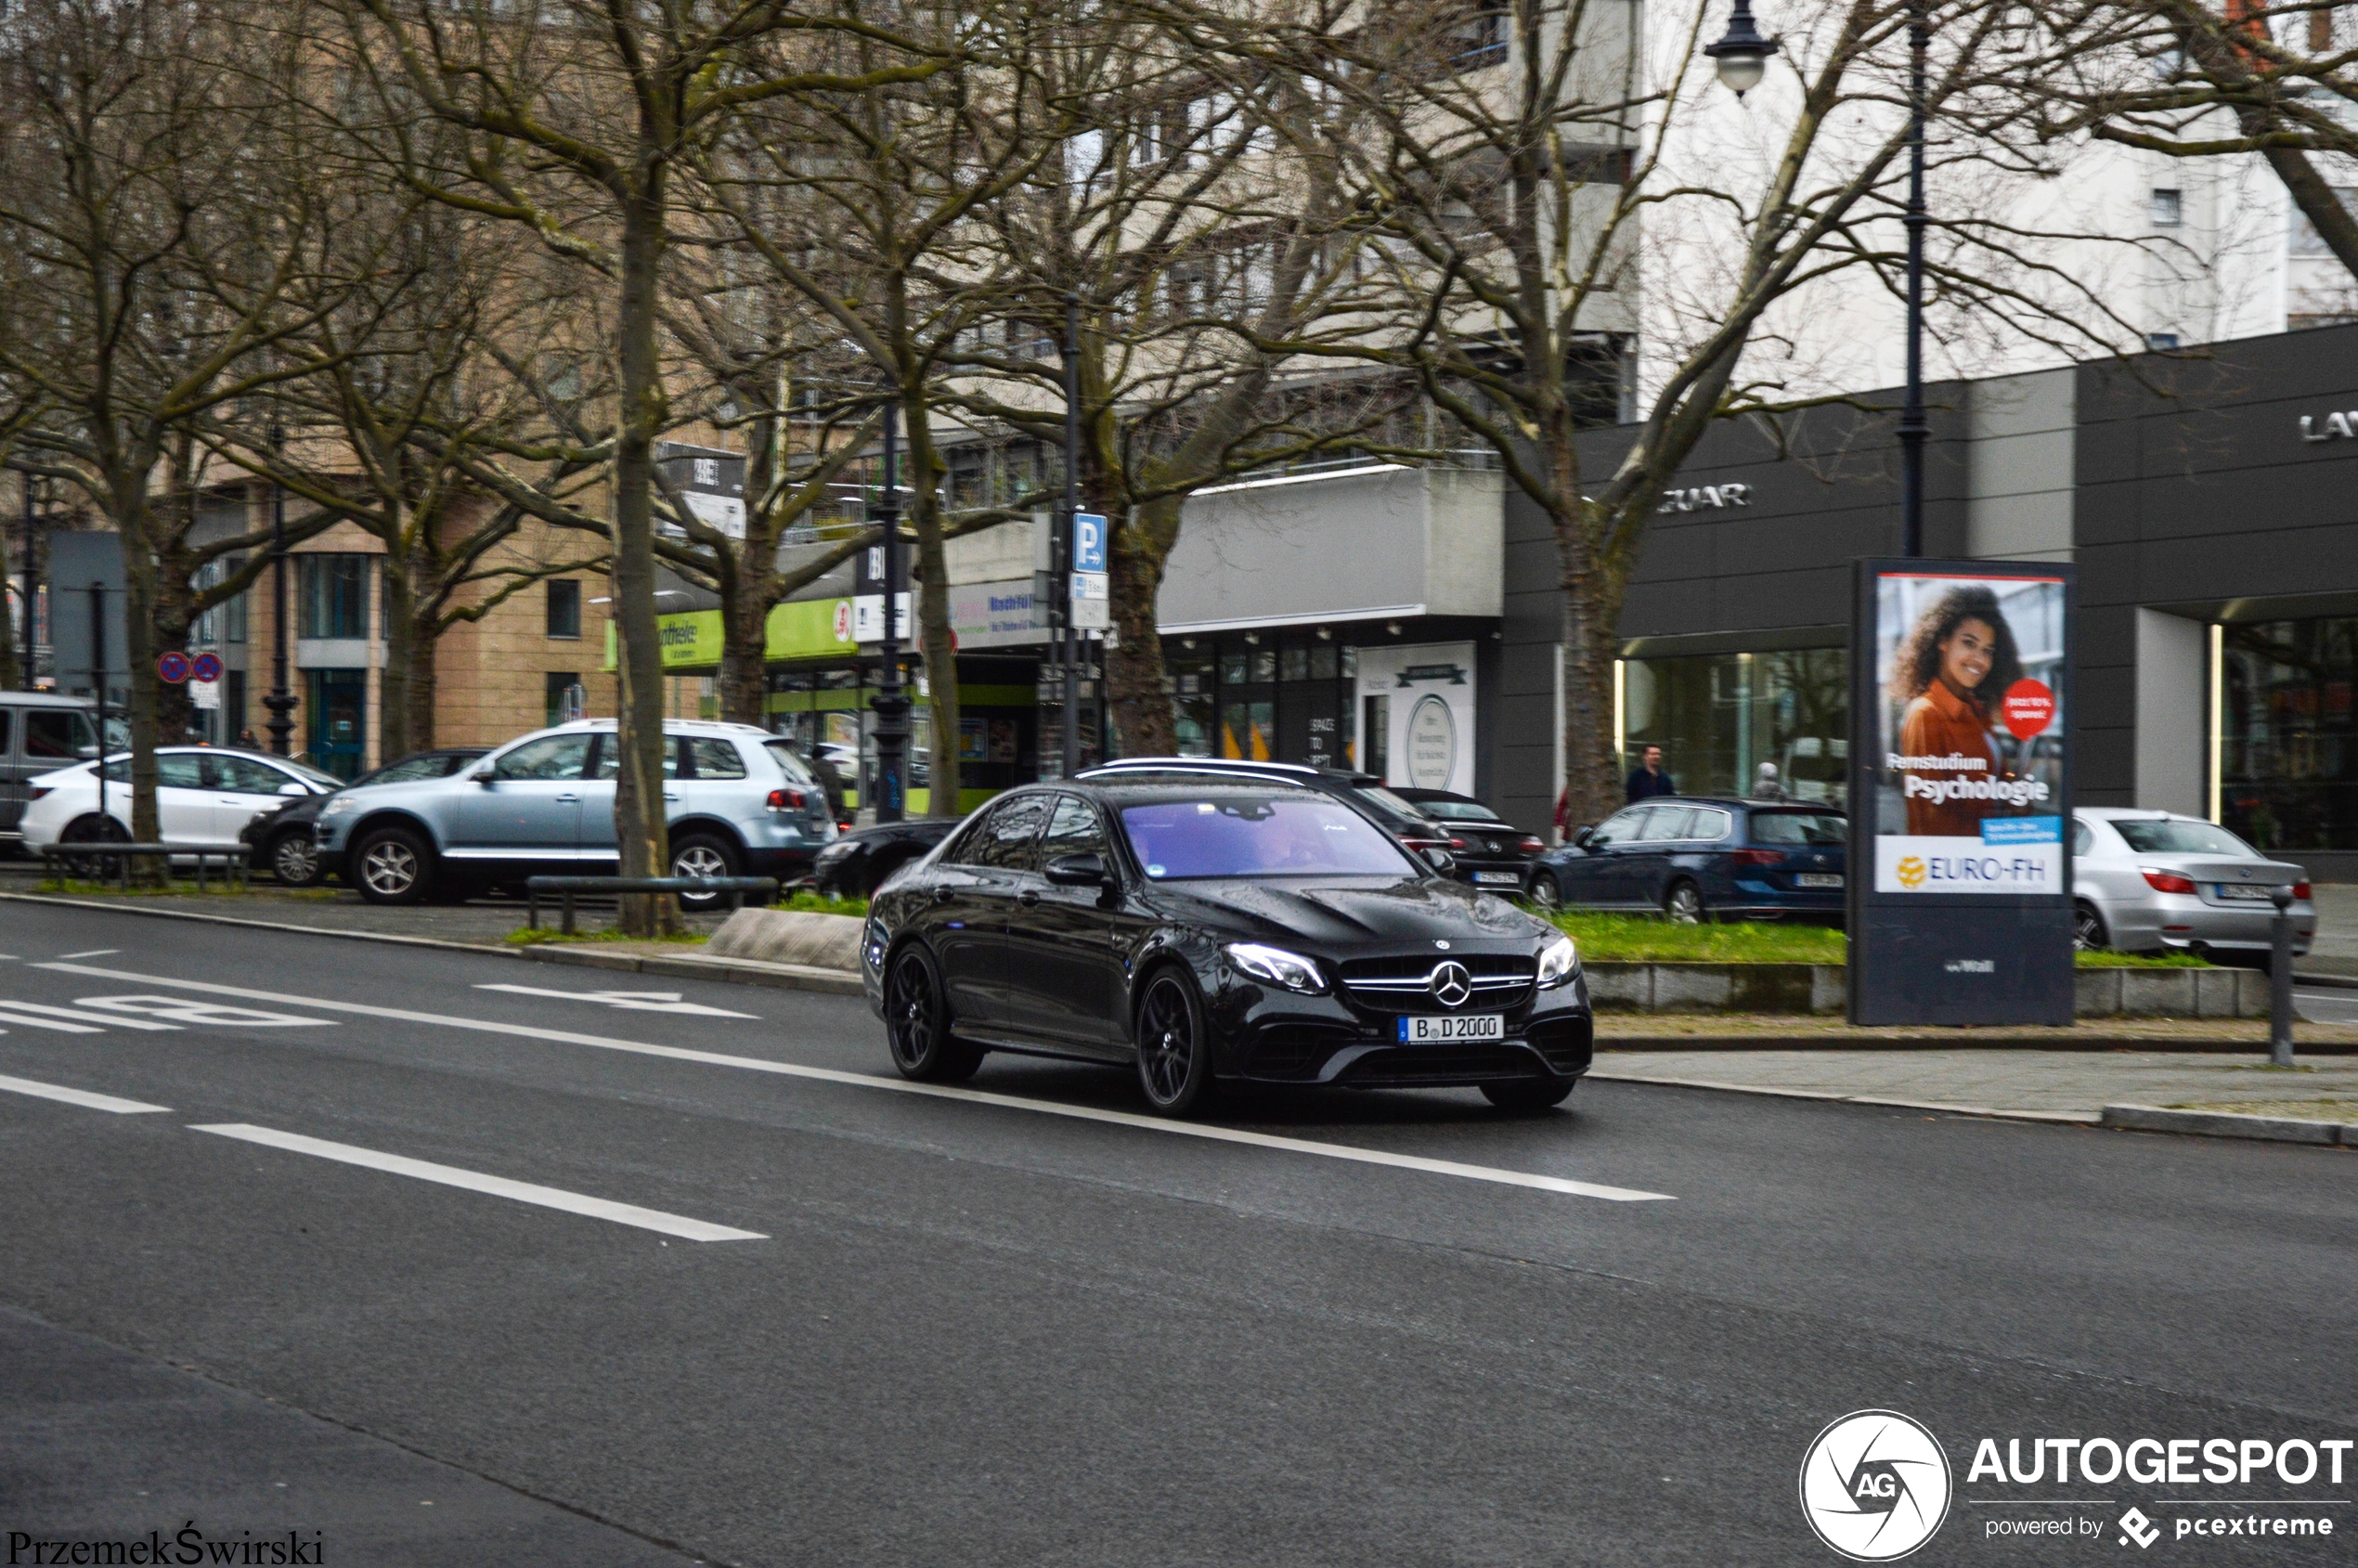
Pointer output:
x,y
933,613
1142,712
745,646
12,668
1591,641
639,828
138,659
406,689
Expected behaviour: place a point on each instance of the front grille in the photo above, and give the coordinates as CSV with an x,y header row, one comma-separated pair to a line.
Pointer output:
x,y
1441,1064
1404,985
1295,1052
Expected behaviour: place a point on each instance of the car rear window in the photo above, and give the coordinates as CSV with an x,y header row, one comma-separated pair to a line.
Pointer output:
x,y
714,757
1799,827
2174,835
1240,835
791,761
1454,810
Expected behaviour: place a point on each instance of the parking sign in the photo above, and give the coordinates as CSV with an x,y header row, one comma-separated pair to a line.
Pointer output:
x,y
1088,542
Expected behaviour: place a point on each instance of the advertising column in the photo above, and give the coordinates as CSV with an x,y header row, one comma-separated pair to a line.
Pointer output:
x,y
1960,862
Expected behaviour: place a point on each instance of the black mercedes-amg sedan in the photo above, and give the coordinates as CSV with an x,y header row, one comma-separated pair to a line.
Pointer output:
x,y
1209,929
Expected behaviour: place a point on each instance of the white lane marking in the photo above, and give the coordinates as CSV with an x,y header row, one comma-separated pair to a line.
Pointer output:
x,y
188,1012
28,1022
93,952
475,1181
85,1017
934,1091
82,1097
629,1000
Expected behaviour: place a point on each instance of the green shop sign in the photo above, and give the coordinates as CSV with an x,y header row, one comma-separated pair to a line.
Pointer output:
x,y
802,628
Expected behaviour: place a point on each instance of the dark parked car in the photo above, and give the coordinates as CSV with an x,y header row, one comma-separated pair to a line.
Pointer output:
x,y
1693,859
856,865
1203,928
282,842
1370,795
1490,851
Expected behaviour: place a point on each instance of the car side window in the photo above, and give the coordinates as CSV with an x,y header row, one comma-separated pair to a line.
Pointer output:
x,y
1011,839
1622,827
1073,829
246,776
181,770
416,767
55,733
2083,839
610,759
551,756
1667,823
1710,826
713,759
7,713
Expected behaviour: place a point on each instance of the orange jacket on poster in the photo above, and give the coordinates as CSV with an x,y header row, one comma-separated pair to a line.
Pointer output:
x,y
1937,724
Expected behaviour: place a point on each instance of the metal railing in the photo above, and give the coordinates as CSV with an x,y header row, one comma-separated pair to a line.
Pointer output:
x,y
566,888
61,859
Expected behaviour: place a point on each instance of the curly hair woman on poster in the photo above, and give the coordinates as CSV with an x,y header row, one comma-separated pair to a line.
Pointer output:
x,y
1948,671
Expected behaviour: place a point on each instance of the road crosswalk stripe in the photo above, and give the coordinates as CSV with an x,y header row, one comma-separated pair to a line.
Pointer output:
x,y
899,1085
82,1097
112,1020
475,1181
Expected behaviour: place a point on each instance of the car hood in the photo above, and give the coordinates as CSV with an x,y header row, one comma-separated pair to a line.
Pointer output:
x,y
1349,913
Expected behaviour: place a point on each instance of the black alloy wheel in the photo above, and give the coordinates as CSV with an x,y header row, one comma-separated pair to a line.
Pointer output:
x,y
2087,934
1545,891
1683,905
702,854
1174,1048
917,1023
1528,1095
392,865
293,858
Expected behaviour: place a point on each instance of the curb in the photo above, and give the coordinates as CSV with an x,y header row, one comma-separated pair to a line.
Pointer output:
x,y
2229,1124
1962,1041
1993,1113
742,971
446,946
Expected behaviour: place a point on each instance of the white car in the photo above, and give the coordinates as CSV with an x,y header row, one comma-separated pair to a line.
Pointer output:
x,y
2144,881
204,796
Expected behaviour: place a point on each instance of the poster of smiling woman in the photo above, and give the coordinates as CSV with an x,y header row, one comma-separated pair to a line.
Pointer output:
x,y
1969,797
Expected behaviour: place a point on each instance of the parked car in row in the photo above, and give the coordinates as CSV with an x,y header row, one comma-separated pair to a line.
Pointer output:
x,y
857,862
41,732
1490,851
739,801
2143,881
284,842
1694,858
204,796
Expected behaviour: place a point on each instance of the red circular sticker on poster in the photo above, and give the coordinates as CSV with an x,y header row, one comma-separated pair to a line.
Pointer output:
x,y
2030,708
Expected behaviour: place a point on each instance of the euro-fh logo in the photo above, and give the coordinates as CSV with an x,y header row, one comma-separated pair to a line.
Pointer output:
x,y
1874,1485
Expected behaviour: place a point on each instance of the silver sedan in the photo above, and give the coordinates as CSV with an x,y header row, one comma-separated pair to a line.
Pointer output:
x,y
2147,880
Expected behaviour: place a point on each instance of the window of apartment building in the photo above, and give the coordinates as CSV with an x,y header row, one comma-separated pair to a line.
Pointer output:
x,y
2161,342
2169,207
332,591
225,622
558,687
564,607
2306,240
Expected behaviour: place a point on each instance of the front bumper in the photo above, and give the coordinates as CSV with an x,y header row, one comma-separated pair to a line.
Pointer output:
x,y
1274,1036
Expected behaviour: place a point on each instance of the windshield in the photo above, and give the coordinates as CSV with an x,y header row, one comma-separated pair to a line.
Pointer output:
x,y
324,779
1242,834
1456,810
2171,836
1799,828
1385,800
791,761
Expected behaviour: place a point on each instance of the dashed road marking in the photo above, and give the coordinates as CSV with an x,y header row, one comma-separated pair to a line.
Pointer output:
x,y
476,1181
629,1000
82,1097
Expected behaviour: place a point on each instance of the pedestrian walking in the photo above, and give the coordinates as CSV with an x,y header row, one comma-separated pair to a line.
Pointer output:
x,y
1647,779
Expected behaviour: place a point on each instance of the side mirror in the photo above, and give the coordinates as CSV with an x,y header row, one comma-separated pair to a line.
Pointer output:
x,y
485,776
1442,860
1580,838
295,789
1079,870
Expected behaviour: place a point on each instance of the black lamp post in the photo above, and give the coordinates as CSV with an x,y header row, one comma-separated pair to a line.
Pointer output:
x,y
1062,613
891,703
281,702
1913,429
1743,54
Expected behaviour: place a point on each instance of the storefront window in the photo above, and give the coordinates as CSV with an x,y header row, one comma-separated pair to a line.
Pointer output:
x,y
2289,744
1719,716
1190,675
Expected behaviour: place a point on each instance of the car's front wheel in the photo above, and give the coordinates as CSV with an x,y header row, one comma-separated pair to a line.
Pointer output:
x,y
703,854
1683,905
917,1023
293,858
1527,1095
1545,891
392,865
1175,1046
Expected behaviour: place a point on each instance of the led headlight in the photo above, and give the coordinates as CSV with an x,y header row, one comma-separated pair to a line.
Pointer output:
x,y
338,805
1559,961
1277,966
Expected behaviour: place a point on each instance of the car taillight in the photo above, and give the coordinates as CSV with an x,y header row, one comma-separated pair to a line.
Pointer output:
x,y
40,790
786,799
1457,843
1757,857
1413,842
2299,889
1531,845
2166,881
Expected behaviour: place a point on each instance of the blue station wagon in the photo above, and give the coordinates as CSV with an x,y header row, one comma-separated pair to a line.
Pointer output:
x,y
1694,860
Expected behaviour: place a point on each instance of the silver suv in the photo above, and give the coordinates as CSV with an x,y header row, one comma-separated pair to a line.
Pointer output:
x,y
739,800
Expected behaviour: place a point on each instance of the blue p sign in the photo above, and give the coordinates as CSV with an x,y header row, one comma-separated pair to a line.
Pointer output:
x,y
1088,542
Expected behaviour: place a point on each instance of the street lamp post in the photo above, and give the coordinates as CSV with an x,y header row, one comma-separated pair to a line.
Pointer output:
x,y
1742,54
1913,429
281,702
891,703
1063,612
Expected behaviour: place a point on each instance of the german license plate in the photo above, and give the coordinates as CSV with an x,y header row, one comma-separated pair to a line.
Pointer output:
x,y
1500,878
1817,880
2258,895
1450,1027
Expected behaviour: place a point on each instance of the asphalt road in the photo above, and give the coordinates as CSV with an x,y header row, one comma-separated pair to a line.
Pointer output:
x,y
709,1285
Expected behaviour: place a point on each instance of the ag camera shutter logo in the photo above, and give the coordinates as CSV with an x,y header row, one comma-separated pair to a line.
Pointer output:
x,y
1875,1485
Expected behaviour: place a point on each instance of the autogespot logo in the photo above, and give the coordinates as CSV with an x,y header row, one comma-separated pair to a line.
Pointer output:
x,y
1874,1485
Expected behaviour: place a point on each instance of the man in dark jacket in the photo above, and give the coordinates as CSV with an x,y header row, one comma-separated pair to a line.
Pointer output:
x,y
1647,780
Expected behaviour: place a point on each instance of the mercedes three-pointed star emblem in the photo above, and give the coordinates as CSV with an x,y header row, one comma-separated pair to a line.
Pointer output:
x,y
1450,983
